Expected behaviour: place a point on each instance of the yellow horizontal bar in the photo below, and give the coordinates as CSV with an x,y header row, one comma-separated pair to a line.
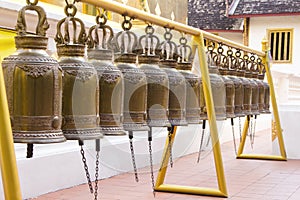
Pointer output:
x,y
190,190
163,22
261,157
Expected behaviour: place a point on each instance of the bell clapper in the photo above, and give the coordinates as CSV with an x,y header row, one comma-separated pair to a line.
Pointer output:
x,y
86,169
240,129
170,129
29,150
253,130
233,135
151,159
201,142
132,155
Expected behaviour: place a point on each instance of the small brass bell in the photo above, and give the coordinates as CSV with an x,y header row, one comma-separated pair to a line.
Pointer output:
x,y
193,82
177,86
80,81
33,83
217,86
135,82
264,101
157,80
246,84
220,59
111,84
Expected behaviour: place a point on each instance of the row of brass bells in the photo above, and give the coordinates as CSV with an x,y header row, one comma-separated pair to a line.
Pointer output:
x,y
111,84
157,80
177,85
33,83
80,81
193,83
135,81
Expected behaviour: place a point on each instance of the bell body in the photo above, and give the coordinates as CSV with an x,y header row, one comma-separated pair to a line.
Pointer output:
x,y
33,83
255,93
177,93
111,92
135,93
218,92
157,91
266,105
238,93
230,92
193,85
247,93
261,98
80,85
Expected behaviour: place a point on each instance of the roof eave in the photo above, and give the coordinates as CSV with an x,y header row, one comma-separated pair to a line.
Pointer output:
x,y
264,15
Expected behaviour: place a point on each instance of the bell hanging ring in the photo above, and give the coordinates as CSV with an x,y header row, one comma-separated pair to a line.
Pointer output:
x,y
193,82
135,82
80,81
177,85
111,84
157,80
33,83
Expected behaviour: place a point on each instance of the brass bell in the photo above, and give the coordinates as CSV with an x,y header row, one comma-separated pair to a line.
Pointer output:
x,y
220,59
231,64
193,82
111,84
251,74
80,81
157,80
135,82
264,100
33,83
217,86
177,86
246,84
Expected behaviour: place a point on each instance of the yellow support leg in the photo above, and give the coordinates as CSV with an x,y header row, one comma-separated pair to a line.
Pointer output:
x,y
222,190
282,156
10,178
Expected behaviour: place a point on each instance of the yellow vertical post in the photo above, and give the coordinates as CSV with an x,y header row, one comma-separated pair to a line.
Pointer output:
x,y
10,178
282,156
267,64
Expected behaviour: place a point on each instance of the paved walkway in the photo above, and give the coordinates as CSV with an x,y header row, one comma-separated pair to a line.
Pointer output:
x,y
246,179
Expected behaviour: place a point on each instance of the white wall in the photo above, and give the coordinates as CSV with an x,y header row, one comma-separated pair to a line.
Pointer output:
x,y
258,30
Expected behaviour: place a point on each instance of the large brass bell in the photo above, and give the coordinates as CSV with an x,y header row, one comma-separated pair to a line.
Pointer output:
x,y
33,83
246,84
177,86
157,80
264,100
193,82
80,82
111,84
135,82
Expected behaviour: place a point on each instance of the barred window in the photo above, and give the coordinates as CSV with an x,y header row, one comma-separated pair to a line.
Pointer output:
x,y
280,43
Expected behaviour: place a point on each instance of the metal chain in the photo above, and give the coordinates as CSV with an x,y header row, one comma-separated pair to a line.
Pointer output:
x,y
97,169
151,167
233,135
170,146
240,129
132,156
201,142
87,173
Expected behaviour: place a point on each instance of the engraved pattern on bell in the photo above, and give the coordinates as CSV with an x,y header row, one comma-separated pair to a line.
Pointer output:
x,y
111,83
135,82
80,81
157,79
192,81
33,82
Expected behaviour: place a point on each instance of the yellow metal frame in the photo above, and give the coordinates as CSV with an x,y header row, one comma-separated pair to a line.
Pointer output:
x,y
282,156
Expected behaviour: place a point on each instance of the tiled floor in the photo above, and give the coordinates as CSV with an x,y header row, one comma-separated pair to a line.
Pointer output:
x,y
246,179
